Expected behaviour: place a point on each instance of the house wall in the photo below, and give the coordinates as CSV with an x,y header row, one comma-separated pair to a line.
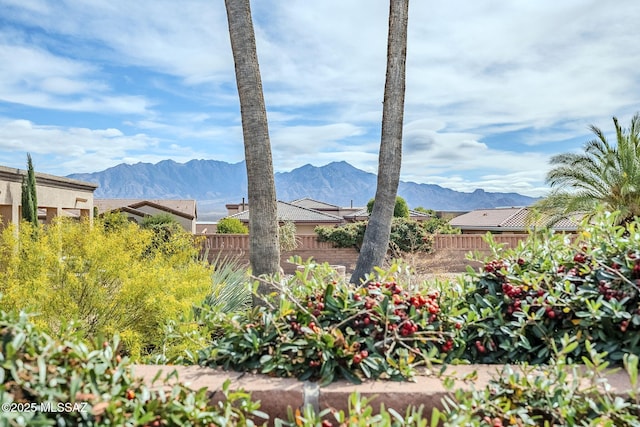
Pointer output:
x,y
305,228
54,194
449,254
186,223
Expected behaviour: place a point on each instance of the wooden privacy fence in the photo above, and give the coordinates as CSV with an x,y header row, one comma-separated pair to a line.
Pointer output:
x,y
449,253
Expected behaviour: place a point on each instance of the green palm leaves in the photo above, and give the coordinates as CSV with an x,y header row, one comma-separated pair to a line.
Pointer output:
x,y
607,174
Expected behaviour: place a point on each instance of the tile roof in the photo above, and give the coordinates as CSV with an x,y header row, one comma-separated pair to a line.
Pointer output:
x,y
309,203
364,213
291,212
186,208
508,219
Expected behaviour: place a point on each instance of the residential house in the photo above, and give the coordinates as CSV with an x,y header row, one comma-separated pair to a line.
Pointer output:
x,y
184,211
56,196
502,220
305,219
362,214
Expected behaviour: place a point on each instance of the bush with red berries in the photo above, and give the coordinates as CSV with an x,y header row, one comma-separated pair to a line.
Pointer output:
x,y
525,299
325,330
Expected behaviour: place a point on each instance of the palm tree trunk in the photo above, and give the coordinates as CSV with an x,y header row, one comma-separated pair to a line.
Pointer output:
x,y
264,252
376,237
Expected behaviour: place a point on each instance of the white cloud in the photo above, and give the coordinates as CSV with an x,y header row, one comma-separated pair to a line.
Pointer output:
x,y
531,75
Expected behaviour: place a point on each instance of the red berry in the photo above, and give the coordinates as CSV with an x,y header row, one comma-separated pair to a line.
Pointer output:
x,y
357,358
130,394
579,258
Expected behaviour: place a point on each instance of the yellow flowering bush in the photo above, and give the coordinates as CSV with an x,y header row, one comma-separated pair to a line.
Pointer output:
x,y
104,277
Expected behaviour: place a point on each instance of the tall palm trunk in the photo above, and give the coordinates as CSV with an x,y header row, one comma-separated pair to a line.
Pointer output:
x,y
264,251
376,236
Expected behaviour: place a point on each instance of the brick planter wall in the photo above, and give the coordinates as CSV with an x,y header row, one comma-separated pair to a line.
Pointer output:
x,y
277,394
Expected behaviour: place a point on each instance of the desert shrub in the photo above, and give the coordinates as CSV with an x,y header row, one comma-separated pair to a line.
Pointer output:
x,y
407,235
439,226
113,220
287,236
231,226
525,299
558,394
91,384
106,280
344,236
325,330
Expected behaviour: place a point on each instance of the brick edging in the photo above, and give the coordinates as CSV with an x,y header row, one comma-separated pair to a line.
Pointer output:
x,y
278,394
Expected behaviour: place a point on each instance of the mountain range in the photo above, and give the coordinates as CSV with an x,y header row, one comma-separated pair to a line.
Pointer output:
x,y
215,183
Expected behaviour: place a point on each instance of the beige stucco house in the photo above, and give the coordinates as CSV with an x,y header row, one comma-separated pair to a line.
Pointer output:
x,y
56,196
184,211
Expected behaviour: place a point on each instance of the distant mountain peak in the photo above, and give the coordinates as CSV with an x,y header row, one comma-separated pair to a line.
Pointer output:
x,y
214,183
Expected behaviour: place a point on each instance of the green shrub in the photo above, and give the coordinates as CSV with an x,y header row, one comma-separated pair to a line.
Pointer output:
x,y
525,299
558,394
407,235
325,330
400,209
344,236
231,226
90,384
103,277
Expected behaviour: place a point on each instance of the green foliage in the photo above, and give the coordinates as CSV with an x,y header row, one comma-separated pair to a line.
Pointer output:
x,y
113,221
106,278
437,225
526,299
230,287
323,330
231,226
29,195
169,238
158,220
360,413
400,209
606,174
559,394
431,212
407,235
90,384
344,236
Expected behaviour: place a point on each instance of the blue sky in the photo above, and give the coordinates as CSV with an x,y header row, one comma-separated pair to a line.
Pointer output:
x,y
494,88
